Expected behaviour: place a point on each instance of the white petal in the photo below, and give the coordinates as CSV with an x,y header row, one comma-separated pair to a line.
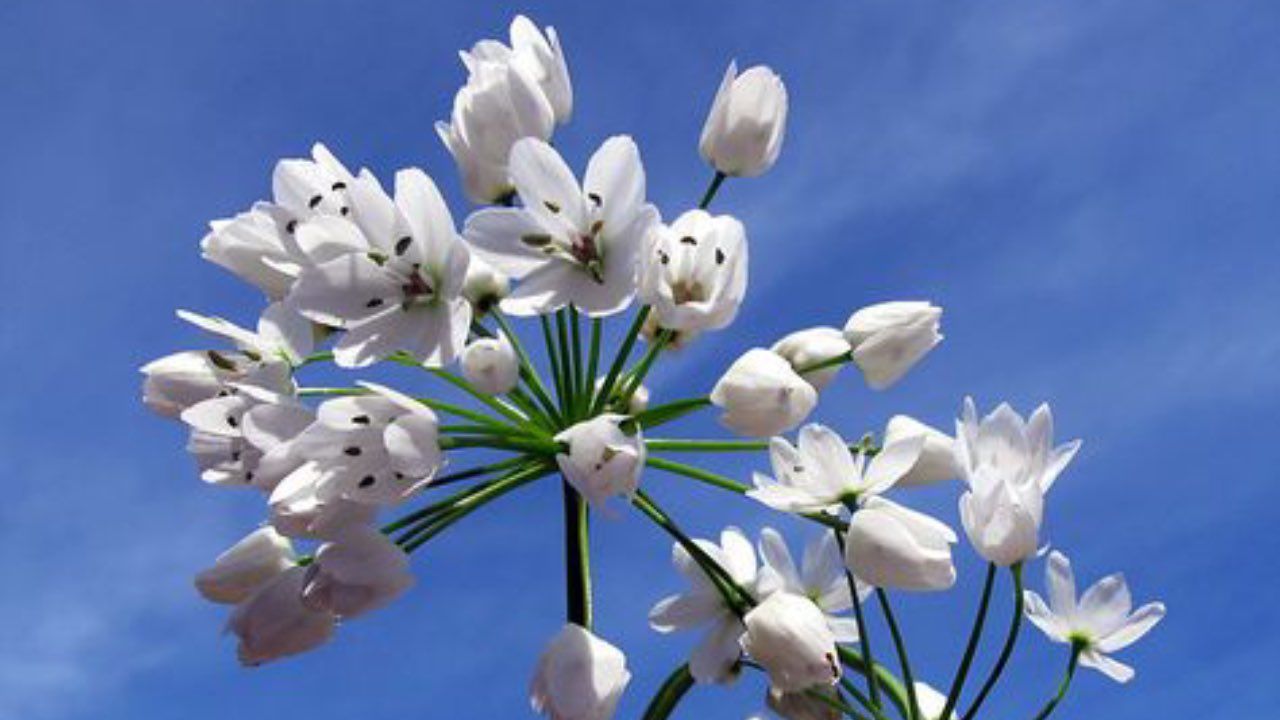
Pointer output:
x,y
714,657
1135,626
774,552
1113,669
1061,583
546,185
1104,607
1042,617
678,612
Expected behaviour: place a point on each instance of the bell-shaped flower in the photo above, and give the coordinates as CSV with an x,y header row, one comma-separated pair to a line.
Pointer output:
x,y
761,395
937,457
1009,466
491,365
512,92
360,570
694,273
246,566
822,474
805,348
891,546
274,623
602,460
889,338
405,294
748,119
304,505
820,577
715,658
788,635
484,286
569,244
1100,623
578,677
179,381
231,433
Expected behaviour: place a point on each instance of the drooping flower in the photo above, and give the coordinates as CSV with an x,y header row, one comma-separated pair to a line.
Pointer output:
x,y
715,658
578,677
246,566
358,571
304,505
937,458
491,365
1101,623
804,348
788,635
512,92
822,474
748,120
1008,465
761,395
694,273
223,431
889,338
179,381
274,623
569,244
602,460
406,293
820,578
892,546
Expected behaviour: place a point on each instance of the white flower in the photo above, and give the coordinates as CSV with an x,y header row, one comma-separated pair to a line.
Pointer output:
x,y
931,702
762,395
891,546
889,338
802,705
569,244
406,294
694,273
360,570
274,623
231,433
578,677
748,119
808,347
282,333
511,93
1102,622
306,188
302,506
1009,466
937,457
821,578
246,566
491,365
789,636
176,382
715,658
603,461
484,286
822,474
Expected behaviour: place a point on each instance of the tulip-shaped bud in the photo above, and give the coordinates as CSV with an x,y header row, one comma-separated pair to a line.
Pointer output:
x,y
805,348
579,677
788,634
761,395
889,338
603,460
803,705
246,566
361,570
491,365
274,623
937,456
743,133
176,382
891,546
485,286
695,272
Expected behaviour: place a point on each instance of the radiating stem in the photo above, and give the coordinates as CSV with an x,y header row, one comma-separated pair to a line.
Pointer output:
x,y
619,360
553,356
1011,638
636,377
724,483
712,189
494,403
864,636
414,539
527,371
593,364
462,496
886,680
975,634
677,445
840,359
900,647
575,346
837,703
673,690
1072,663
479,471
577,558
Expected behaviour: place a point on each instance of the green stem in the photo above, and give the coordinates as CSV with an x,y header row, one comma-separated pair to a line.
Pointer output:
x,y
886,680
527,444
712,189
579,371
415,537
619,360
577,557
462,496
527,371
724,483
1072,663
957,684
593,364
836,703
566,365
1011,638
673,690
840,359
500,407
901,647
662,414
634,379
553,356
864,636
861,698
479,471
676,445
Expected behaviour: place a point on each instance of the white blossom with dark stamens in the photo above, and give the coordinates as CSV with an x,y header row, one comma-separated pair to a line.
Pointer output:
x,y
282,333
694,273
224,430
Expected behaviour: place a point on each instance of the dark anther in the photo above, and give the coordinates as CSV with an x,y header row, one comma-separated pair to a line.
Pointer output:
x,y
339,185
551,206
402,245
367,481
536,240
596,227
233,421
360,420
664,258
314,201
291,226
719,256
353,451
345,211
688,240
595,198
376,302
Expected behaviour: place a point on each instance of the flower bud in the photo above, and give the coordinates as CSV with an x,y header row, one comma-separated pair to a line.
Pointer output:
x,y
361,570
889,338
937,458
743,133
274,623
695,272
809,347
788,635
491,365
891,546
603,461
246,566
485,285
761,395
579,677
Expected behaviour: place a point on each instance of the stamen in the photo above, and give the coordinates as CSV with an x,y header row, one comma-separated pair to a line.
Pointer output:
x,y
315,200
595,198
689,240
551,206
402,245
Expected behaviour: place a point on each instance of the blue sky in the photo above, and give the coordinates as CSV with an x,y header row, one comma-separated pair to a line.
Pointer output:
x,y
1089,188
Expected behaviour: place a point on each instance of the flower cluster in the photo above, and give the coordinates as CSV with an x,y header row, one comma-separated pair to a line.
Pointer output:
x,y
358,275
